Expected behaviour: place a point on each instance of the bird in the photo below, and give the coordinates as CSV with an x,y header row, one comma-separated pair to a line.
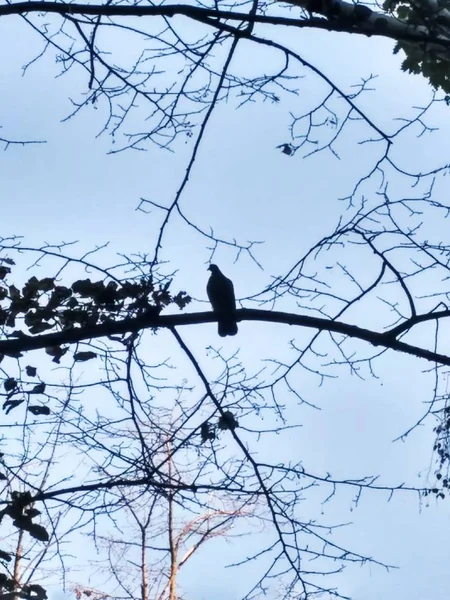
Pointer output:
x,y
220,292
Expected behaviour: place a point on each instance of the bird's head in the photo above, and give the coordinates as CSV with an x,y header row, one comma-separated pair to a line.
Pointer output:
x,y
213,269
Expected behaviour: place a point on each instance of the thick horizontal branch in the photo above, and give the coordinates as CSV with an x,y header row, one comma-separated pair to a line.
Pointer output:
x,y
25,343
212,17
192,487
149,481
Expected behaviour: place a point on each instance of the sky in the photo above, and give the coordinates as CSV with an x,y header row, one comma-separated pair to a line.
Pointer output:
x,y
243,187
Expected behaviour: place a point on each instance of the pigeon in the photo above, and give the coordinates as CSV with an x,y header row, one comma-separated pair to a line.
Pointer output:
x,y
220,292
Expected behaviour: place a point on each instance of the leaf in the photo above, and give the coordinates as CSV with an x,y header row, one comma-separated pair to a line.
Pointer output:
x,y
227,421
57,352
39,388
59,294
83,287
38,532
403,12
162,297
207,432
130,290
5,556
4,272
286,149
84,356
40,593
14,354
31,288
10,321
181,299
10,405
21,498
10,384
30,371
106,295
20,521
72,302
18,334
14,292
38,410
46,284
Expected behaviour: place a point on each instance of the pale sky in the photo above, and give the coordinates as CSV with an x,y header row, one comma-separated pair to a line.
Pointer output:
x,y
244,188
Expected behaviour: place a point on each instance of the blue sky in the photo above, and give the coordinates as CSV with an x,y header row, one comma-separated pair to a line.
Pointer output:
x,y
244,188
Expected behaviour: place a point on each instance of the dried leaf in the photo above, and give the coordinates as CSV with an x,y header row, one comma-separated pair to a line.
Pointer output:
x,y
84,356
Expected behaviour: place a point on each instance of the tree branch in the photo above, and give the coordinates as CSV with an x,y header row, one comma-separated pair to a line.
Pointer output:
x,y
388,340
373,23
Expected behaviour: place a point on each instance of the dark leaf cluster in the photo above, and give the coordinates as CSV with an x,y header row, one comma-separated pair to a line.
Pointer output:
x,y
226,421
431,61
22,513
13,387
28,591
43,305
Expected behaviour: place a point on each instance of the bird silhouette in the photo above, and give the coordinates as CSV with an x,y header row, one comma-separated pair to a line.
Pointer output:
x,y
220,292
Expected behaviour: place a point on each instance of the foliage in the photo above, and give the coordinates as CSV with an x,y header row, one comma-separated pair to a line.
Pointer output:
x,y
431,60
46,305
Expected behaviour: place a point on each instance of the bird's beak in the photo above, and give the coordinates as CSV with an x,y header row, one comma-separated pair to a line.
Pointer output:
x,y
209,268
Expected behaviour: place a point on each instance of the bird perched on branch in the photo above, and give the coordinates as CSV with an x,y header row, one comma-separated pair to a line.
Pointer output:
x,y
220,292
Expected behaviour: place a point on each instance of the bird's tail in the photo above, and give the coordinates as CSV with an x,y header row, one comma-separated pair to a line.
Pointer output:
x,y
227,327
